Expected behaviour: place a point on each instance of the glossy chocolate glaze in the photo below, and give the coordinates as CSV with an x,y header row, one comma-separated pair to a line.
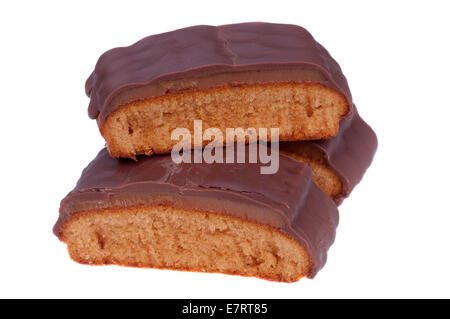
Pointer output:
x,y
209,56
288,200
348,154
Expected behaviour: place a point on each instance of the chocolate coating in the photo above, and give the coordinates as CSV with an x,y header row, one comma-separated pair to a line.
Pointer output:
x,y
288,200
191,57
347,154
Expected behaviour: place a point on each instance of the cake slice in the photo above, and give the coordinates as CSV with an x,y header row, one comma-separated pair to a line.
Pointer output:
x,y
218,217
248,75
339,163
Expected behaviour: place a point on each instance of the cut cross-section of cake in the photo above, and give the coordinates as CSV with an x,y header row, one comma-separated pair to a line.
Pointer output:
x,y
338,163
219,217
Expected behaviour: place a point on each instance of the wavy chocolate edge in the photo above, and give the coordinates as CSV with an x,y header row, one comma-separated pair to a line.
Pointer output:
x,y
348,154
288,200
185,55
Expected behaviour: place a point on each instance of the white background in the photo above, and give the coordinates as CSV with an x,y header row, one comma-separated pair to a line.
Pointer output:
x,y
394,233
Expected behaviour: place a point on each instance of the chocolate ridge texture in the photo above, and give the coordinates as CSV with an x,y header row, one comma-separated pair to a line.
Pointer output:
x,y
287,202
217,49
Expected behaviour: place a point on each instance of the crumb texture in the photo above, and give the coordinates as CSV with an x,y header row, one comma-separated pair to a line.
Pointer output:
x,y
165,237
301,111
322,175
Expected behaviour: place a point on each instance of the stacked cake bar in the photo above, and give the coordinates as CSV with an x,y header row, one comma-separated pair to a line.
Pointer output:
x,y
135,205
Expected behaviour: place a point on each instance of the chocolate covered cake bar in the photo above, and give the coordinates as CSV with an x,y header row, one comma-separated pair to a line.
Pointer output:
x,y
239,75
216,217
